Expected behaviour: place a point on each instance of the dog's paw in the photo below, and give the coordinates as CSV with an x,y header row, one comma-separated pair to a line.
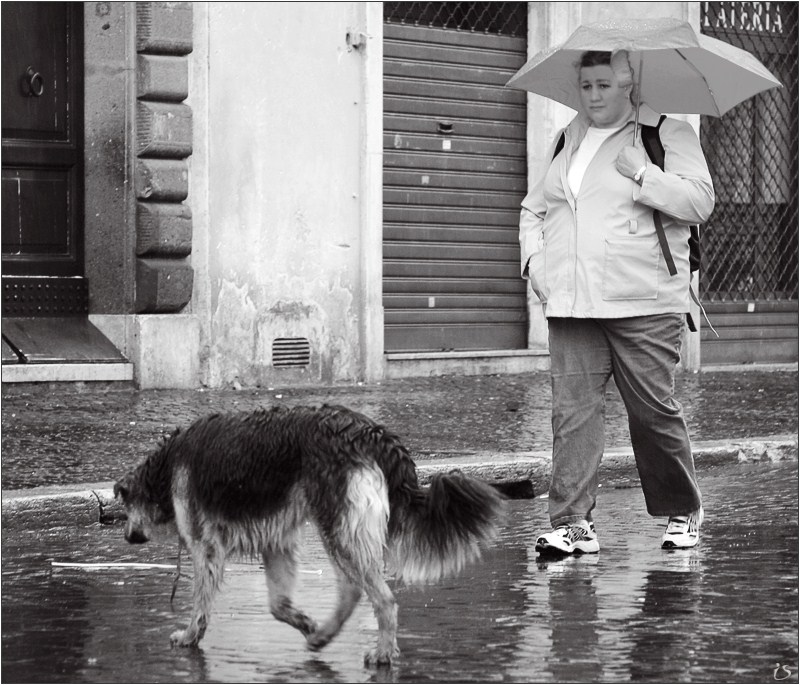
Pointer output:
x,y
377,657
317,639
183,638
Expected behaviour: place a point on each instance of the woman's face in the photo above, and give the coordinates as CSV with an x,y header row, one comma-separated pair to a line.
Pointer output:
x,y
605,102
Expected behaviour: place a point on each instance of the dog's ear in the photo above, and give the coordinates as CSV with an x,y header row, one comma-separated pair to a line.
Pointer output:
x,y
121,489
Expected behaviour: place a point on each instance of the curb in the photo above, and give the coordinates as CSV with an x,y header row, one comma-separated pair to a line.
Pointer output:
x,y
47,507
518,474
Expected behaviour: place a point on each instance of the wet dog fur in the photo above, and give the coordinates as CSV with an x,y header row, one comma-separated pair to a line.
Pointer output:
x,y
245,483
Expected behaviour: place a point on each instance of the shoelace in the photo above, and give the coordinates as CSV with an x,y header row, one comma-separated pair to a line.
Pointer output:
x,y
678,524
575,532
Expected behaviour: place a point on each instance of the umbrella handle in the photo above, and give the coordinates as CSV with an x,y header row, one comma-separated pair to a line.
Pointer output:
x,y
633,225
638,99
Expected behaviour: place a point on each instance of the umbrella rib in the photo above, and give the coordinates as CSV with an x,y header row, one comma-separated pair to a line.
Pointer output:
x,y
702,76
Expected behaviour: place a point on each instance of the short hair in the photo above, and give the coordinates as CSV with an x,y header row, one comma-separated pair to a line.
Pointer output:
x,y
594,58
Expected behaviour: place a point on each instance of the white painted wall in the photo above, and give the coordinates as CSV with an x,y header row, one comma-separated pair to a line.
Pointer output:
x,y
276,186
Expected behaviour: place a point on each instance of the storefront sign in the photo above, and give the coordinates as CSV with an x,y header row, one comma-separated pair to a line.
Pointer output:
x,y
750,17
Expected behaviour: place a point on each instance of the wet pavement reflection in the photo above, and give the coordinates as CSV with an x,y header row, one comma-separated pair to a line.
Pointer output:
x,y
723,612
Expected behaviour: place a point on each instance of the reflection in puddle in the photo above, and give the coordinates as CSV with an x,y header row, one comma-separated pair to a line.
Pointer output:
x,y
631,613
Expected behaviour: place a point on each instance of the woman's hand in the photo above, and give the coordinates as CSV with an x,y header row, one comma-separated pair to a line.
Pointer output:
x,y
630,161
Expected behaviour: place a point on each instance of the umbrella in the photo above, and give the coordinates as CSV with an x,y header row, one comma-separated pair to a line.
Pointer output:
x,y
677,70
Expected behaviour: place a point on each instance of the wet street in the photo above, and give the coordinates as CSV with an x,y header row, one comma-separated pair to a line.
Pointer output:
x,y
723,612
77,435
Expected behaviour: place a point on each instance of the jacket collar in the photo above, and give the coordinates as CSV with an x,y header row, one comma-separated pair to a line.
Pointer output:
x,y
581,122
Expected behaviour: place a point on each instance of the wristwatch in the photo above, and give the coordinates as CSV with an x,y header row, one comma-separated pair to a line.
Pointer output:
x,y
638,175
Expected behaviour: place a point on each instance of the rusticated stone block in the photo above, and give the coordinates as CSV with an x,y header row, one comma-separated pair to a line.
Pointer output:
x,y
162,77
162,180
163,229
164,27
163,130
163,285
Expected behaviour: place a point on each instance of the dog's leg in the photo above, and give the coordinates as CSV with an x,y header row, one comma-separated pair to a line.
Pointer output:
x,y
280,567
385,607
349,595
208,560
356,542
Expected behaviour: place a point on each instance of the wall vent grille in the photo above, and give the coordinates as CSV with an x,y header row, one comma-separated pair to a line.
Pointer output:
x,y
290,352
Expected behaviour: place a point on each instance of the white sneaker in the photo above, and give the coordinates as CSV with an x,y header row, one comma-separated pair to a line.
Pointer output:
x,y
683,531
568,539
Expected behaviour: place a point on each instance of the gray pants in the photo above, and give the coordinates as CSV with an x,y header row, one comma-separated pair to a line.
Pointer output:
x,y
641,353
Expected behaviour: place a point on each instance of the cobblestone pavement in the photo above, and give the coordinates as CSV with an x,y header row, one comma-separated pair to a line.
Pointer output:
x,y
79,433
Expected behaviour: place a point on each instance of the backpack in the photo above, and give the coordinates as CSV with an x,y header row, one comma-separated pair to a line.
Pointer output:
x,y
655,151
651,140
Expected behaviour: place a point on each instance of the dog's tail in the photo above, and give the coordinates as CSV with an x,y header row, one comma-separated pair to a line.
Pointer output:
x,y
437,530
433,531
444,527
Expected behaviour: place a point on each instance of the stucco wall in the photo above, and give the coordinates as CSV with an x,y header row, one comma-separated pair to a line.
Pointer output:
x,y
275,188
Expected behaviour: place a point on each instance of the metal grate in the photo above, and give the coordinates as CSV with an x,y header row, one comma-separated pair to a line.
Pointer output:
x,y
501,18
287,352
45,296
750,242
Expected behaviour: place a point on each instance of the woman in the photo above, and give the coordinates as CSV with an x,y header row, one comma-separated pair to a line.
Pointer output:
x,y
591,254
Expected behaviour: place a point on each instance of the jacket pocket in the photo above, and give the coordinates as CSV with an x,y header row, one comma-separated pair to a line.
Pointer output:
x,y
537,274
631,269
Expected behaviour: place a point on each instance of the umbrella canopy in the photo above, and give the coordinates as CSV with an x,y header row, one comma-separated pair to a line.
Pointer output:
x,y
677,70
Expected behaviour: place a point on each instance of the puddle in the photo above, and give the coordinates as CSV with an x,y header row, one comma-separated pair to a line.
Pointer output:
x,y
724,612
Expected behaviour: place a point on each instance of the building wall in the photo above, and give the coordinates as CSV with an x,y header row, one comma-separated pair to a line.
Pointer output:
x,y
109,243
275,188
286,182
162,347
285,186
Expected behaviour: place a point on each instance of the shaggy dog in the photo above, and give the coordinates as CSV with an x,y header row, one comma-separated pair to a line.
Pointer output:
x,y
245,483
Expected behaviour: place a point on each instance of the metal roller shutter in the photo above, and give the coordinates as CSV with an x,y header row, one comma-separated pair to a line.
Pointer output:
x,y
454,177
749,275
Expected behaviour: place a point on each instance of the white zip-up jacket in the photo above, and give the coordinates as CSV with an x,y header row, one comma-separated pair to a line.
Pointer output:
x,y
597,255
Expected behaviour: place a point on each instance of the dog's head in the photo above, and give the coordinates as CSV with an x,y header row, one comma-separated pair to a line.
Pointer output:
x,y
144,513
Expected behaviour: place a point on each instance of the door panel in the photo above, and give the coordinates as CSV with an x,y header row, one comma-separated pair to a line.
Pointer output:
x,y
42,104
41,43
36,200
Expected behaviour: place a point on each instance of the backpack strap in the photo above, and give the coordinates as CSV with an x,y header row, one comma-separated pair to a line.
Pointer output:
x,y
651,140
560,144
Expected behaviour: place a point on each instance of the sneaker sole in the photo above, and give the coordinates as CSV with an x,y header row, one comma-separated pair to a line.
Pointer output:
x,y
553,552
550,550
543,547
669,544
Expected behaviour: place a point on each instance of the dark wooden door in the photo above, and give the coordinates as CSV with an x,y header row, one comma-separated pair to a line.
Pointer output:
x,y
42,67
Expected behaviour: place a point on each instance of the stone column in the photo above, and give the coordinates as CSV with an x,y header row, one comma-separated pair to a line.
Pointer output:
x,y
164,276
